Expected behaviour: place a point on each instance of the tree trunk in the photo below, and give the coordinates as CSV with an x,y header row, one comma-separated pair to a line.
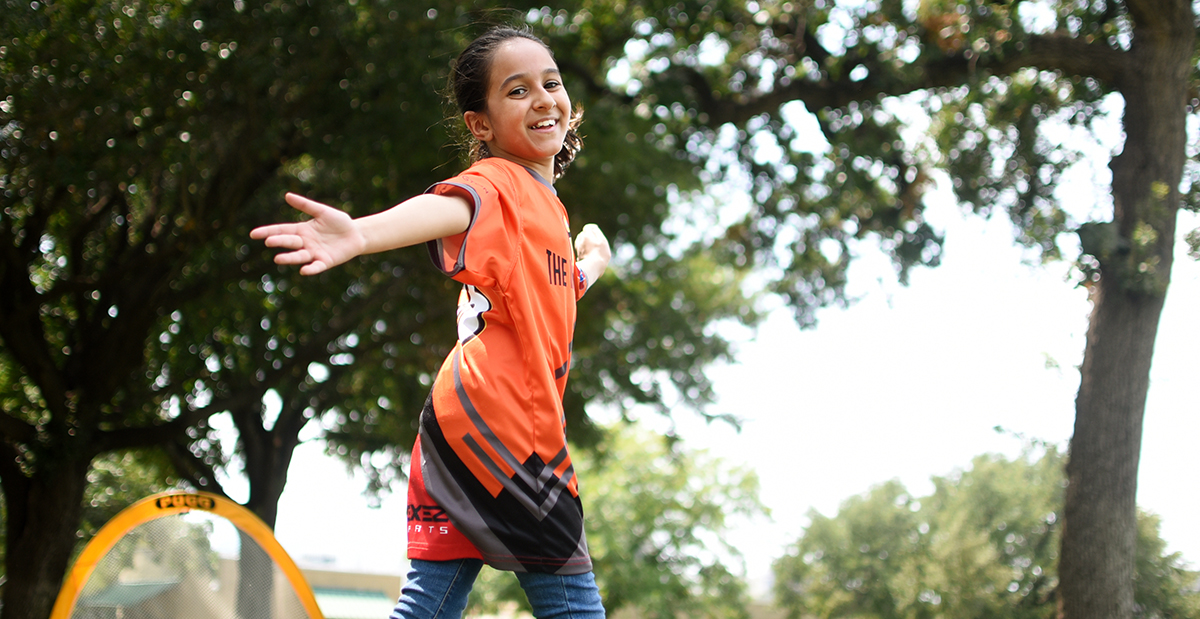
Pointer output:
x,y
41,532
1100,528
256,580
268,455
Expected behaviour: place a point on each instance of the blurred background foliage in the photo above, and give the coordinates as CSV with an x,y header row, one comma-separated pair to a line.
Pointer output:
x,y
738,154
985,543
657,515
142,141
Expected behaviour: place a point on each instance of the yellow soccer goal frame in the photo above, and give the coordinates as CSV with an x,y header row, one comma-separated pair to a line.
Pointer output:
x,y
168,504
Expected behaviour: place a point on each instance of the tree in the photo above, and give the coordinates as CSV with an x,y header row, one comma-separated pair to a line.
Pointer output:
x,y
140,143
984,544
656,518
1161,576
185,122
138,149
731,82
116,481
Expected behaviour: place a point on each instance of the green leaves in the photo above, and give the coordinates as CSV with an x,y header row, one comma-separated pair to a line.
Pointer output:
x,y
1166,586
142,142
656,517
984,543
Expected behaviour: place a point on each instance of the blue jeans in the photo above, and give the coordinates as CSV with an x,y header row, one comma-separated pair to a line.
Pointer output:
x,y
439,590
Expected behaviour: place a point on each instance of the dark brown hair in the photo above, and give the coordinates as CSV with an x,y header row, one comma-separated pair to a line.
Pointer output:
x,y
469,83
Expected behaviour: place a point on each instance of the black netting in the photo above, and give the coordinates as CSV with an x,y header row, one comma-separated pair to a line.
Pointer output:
x,y
196,565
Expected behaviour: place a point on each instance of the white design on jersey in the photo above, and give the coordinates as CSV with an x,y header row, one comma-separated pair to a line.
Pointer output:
x,y
471,306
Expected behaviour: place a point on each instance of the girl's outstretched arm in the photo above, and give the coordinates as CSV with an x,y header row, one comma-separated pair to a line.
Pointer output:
x,y
592,252
332,237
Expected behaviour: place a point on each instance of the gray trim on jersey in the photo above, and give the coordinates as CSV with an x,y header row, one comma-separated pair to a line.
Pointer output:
x,y
538,178
562,371
451,497
537,484
435,246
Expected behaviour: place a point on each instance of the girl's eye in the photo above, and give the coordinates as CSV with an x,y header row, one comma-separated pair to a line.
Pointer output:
x,y
551,85
516,92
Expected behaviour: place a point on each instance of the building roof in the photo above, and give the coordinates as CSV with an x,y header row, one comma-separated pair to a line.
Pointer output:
x,y
126,595
353,603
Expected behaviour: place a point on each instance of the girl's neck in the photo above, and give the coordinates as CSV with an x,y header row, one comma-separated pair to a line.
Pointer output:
x,y
544,169
539,175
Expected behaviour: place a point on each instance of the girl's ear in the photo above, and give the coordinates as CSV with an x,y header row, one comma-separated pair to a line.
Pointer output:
x,y
479,125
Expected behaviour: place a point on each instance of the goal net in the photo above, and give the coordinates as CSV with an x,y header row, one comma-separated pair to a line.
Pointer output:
x,y
185,554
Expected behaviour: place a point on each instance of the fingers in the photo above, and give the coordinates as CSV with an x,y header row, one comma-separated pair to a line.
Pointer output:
x,y
292,236
302,256
311,208
304,205
586,236
266,232
313,268
591,239
593,233
282,241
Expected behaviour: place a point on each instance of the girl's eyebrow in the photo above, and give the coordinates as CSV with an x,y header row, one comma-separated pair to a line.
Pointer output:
x,y
518,76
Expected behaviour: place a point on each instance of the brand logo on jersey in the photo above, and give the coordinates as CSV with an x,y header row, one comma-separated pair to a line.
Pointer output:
x,y
558,268
420,515
429,529
427,513
472,304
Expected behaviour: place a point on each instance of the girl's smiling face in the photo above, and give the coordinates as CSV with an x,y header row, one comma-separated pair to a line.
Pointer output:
x,y
527,113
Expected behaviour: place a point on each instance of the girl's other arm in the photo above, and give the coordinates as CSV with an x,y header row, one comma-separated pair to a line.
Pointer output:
x,y
592,252
332,237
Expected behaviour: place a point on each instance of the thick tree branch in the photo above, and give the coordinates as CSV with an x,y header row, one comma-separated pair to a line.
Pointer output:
x,y
194,469
1070,55
16,430
10,471
21,327
15,489
246,395
1052,52
146,436
813,48
1160,14
25,340
590,82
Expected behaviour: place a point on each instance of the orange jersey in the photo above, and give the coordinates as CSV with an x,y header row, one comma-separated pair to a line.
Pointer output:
x,y
492,446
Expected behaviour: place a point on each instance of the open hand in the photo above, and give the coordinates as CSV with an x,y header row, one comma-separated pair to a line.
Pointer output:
x,y
327,240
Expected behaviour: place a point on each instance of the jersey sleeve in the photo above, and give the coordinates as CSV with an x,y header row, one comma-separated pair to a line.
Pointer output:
x,y
484,254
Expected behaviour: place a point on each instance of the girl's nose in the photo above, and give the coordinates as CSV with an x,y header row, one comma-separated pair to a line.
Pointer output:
x,y
544,101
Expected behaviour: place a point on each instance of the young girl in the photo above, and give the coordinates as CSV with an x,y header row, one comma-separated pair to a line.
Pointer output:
x,y
491,480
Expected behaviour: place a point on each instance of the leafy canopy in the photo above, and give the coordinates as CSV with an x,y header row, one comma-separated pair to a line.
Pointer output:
x,y
657,514
984,544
